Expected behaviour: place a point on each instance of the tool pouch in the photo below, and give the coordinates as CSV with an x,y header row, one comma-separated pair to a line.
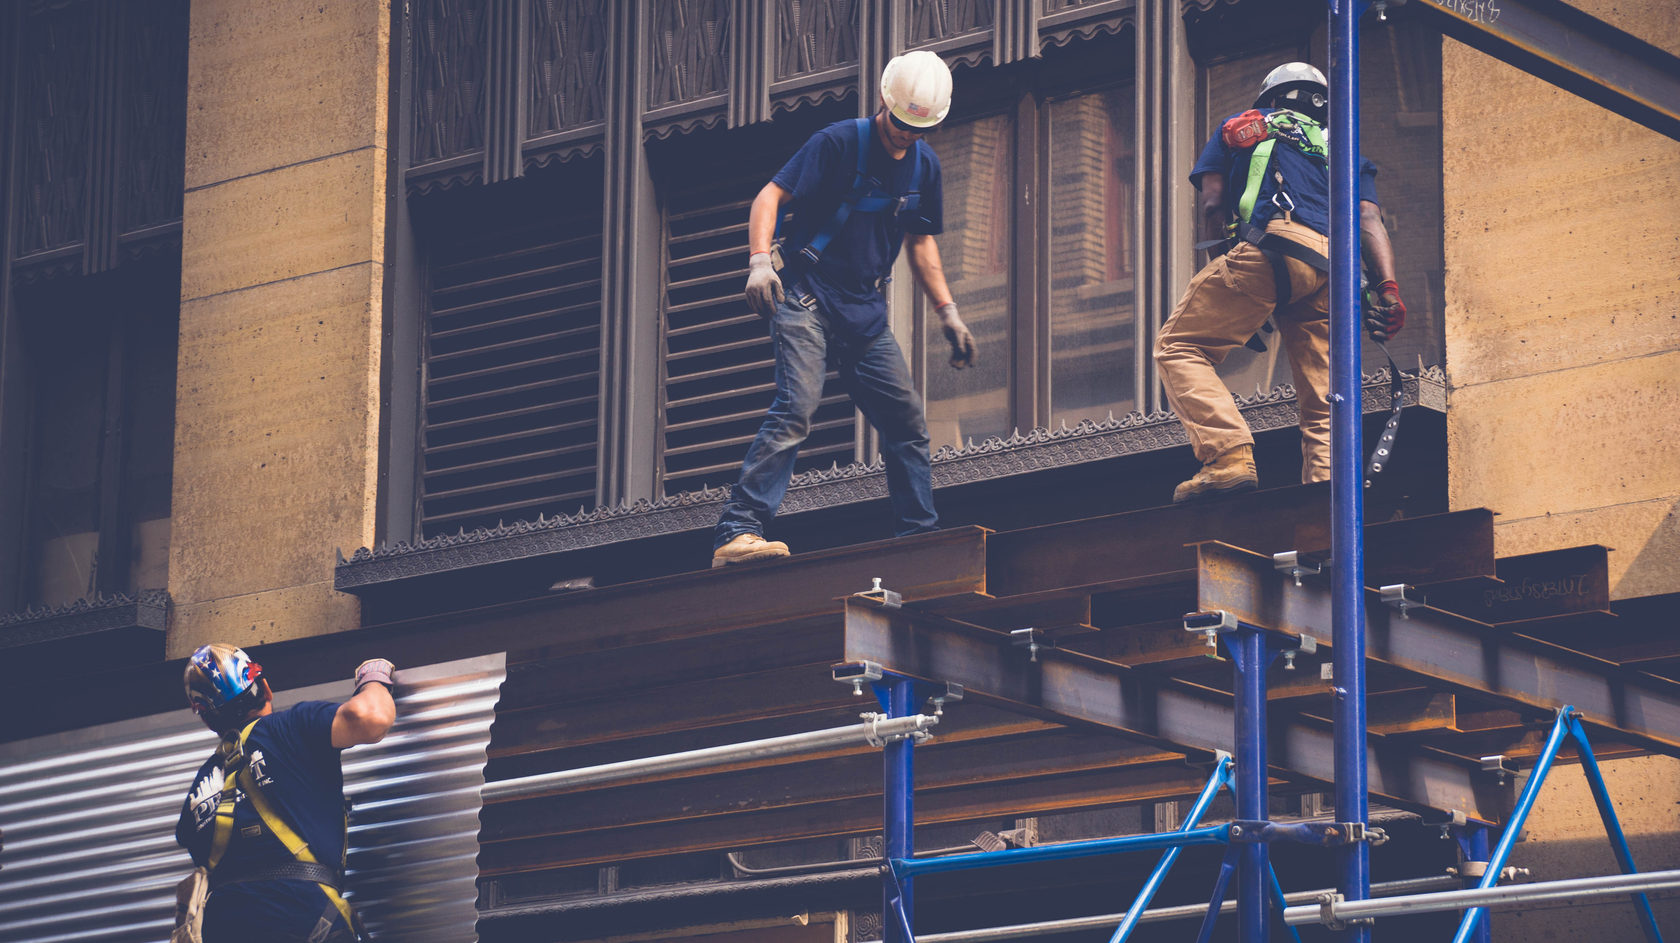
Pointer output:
x,y
1245,130
190,895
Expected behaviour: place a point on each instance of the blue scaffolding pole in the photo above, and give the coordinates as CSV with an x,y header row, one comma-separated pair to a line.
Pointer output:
x,y
1347,511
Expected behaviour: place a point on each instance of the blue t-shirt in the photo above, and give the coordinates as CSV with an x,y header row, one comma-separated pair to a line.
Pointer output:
x,y
819,176
1308,181
297,768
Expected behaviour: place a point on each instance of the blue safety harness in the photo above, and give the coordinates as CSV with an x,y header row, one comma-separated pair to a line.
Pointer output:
x,y
866,196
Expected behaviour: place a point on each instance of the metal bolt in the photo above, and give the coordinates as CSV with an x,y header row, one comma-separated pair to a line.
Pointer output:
x,y
857,687
1289,660
1236,831
875,584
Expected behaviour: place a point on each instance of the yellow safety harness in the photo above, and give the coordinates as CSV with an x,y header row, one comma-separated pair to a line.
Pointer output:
x,y
236,775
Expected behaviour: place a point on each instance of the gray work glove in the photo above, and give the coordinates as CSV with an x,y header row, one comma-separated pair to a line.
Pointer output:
x,y
962,342
374,671
764,286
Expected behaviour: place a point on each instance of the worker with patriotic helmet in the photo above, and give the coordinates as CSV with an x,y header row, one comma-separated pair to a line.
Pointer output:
x,y
856,193
1264,181
265,820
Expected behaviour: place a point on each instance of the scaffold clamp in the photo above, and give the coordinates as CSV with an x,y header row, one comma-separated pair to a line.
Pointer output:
x,y
1401,597
856,674
882,595
1290,561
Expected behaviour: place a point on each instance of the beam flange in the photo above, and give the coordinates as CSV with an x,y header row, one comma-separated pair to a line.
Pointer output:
x,y
1577,52
1452,651
1078,689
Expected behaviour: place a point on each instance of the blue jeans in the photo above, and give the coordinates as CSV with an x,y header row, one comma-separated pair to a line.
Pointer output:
x,y
873,371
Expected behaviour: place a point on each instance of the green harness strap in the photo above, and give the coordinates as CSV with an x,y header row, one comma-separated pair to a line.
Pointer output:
x,y
1303,133
1257,164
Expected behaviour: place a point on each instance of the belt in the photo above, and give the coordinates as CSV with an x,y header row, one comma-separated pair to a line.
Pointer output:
x,y
312,872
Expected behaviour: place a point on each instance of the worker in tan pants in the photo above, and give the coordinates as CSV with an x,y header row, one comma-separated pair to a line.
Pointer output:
x,y
1274,159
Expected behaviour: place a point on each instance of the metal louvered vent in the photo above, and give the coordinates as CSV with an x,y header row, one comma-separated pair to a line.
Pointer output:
x,y
512,384
720,370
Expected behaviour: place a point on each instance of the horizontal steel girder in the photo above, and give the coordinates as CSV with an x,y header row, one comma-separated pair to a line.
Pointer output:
x,y
1450,650
1072,688
1572,50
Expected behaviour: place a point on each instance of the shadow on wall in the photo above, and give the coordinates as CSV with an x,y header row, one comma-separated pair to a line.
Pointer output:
x,y
1566,839
1656,568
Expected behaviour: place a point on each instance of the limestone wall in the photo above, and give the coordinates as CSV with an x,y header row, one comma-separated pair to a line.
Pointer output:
x,y
277,414
1563,362
1563,312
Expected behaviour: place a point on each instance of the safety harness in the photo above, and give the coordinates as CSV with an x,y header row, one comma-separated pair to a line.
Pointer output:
x,y
1263,132
237,775
866,196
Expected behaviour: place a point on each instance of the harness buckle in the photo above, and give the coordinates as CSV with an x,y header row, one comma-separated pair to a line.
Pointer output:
x,y
809,254
1282,201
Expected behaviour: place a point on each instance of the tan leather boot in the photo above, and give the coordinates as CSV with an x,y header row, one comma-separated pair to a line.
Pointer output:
x,y
748,548
1229,473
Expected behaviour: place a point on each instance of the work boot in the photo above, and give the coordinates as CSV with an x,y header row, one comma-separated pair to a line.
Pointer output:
x,y
1231,472
748,548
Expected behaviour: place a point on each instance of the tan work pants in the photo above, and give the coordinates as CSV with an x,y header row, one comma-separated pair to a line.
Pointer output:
x,y
1223,306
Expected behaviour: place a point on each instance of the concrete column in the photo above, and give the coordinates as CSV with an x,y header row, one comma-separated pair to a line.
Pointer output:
x,y
1563,313
283,232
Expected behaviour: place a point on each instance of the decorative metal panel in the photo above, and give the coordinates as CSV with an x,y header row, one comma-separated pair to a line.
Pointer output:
x,y
57,72
568,57
512,372
815,35
688,50
89,816
929,21
153,113
451,48
719,363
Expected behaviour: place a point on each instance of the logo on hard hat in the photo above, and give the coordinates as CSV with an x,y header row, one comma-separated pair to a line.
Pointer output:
x,y
920,111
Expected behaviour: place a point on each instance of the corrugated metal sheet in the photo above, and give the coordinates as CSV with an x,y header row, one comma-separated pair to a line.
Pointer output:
x,y
89,816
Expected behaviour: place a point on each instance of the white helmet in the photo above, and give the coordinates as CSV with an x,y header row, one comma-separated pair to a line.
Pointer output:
x,y
917,89
1297,86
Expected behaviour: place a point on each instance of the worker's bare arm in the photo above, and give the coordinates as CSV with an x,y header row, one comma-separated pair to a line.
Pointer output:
x,y
371,711
923,253
761,220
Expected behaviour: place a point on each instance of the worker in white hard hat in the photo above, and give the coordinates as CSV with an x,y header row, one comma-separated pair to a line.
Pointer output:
x,y
1265,197
857,192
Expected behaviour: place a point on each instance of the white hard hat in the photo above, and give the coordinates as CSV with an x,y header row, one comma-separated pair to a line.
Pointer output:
x,y
1297,85
917,88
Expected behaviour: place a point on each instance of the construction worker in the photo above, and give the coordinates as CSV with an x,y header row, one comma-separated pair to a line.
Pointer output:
x,y
266,812
1265,186
858,190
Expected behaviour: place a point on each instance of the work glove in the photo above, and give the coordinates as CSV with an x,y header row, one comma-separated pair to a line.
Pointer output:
x,y
962,342
764,286
374,670
1385,313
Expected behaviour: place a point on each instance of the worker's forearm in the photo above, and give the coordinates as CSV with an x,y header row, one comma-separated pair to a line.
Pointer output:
x,y
1375,245
761,221
930,271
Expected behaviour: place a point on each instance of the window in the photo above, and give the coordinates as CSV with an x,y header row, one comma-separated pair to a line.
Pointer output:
x,y
512,357
101,385
1039,246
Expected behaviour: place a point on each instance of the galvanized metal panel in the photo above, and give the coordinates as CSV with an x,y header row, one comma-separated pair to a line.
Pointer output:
x,y
89,816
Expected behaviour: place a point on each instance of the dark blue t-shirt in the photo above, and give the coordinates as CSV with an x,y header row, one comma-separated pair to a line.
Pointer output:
x,y
297,768
819,177
1308,181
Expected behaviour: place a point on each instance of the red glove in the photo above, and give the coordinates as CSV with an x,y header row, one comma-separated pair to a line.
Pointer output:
x,y
1385,313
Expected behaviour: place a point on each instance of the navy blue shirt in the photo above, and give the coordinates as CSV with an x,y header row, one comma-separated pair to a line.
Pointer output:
x,y
297,768
1308,181
844,281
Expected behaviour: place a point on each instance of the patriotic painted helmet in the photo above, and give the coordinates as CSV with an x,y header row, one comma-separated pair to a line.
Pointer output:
x,y
223,685
916,88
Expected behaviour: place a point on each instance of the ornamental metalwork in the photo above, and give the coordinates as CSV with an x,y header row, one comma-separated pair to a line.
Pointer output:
x,y
567,66
450,49
153,113
58,71
815,35
687,50
929,21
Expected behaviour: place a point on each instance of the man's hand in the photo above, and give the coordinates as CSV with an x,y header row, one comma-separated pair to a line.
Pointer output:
x,y
962,342
374,670
1385,313
764,286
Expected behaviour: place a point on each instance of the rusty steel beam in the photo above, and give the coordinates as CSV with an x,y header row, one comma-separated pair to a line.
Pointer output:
x,y
1452,651
852,816
1154,546
1078,689
1572,50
